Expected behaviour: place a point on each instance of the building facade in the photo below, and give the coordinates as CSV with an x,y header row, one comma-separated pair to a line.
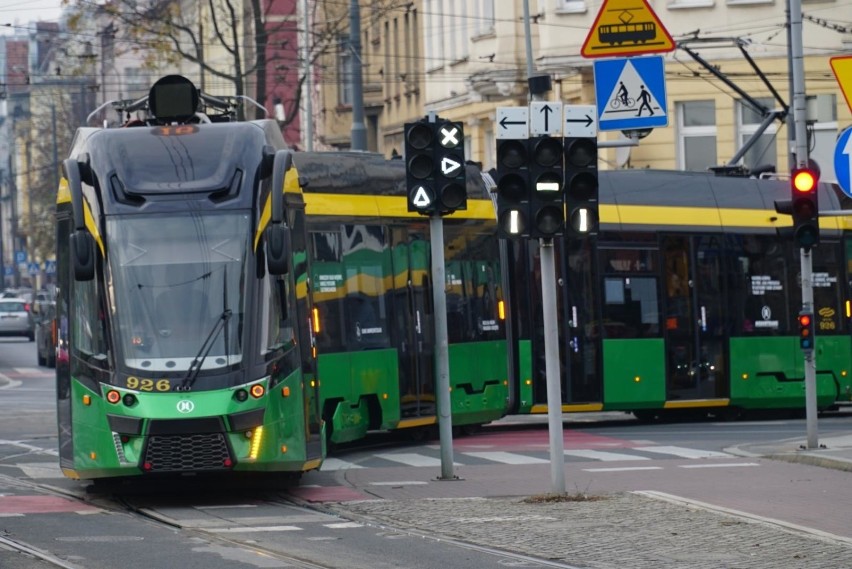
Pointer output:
x,y
469,57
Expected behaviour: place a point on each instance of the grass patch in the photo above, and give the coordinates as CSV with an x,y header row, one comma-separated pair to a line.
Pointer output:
x,y
566,497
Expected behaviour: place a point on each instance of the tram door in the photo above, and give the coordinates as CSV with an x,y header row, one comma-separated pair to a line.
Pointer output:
x,y
694,305
414,324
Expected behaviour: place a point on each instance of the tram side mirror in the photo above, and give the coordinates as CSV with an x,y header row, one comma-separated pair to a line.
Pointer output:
x,y
277,248
267,161
83,255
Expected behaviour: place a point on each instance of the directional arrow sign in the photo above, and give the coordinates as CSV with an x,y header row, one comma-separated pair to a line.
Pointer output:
x,y
449,167
546,118
843,161
513,122
580,121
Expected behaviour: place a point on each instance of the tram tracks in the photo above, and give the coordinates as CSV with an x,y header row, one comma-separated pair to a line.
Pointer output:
x,y
122,504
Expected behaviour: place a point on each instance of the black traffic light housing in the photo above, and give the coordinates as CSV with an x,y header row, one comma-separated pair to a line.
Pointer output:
x,y
513,189
804,183
581,185
806,331
547,179
450,168
435,166
420,166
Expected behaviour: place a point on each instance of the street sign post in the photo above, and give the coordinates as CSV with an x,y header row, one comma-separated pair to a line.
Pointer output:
x,y
631,93
843,161
626,27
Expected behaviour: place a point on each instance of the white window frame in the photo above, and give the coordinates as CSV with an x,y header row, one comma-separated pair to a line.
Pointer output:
x,y
684,132
746,130
571,7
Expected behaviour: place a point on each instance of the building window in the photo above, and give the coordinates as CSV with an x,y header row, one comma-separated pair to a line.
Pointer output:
x,y
764,150
822,136
571,6
483,17
344,72
696,128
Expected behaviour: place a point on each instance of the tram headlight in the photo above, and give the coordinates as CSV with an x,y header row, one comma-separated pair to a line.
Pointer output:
x,y
113,396
241,395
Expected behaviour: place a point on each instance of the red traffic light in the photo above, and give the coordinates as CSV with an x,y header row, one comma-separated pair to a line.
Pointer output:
x,y
804,320
804,180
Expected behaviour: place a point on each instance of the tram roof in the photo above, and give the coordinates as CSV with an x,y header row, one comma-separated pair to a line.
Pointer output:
x,y
674,200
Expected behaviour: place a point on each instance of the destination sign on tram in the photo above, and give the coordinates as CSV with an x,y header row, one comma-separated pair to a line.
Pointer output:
x,y
626,27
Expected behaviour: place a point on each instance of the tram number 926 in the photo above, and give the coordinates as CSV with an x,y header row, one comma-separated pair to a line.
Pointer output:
x,y
827,325
148,384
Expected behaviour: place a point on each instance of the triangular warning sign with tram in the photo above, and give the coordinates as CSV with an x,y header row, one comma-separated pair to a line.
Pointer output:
x,y
626,27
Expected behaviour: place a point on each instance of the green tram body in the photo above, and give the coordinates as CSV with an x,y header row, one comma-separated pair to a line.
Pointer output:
x,y
685,303
177,217
371,284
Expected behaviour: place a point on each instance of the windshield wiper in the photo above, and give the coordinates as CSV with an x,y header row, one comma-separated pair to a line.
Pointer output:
x,y
198,360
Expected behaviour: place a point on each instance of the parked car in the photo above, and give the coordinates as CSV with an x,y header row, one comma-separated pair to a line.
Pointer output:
x,y
45,332
16,318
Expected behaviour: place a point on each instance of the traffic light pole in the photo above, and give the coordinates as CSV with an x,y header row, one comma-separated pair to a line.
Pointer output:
x,y
547,258
801,151
442,357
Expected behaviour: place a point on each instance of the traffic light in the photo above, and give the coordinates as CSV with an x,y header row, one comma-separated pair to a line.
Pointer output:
x,y
547,199
805,208
512,189
581,185
451,185
435,167
420,166
806,331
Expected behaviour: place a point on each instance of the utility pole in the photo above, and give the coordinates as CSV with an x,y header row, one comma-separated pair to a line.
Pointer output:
x,y
309,79
538,86
801,151
359,131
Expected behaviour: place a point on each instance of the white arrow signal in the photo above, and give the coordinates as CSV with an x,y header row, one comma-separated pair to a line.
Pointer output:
x,y
450,137
421,198
449,166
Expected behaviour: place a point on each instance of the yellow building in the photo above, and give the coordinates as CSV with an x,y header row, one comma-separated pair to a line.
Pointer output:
x,y
464,58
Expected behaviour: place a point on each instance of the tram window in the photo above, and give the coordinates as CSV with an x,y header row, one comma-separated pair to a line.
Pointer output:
x,y
762,286
827,280
472,286
89,327
631,307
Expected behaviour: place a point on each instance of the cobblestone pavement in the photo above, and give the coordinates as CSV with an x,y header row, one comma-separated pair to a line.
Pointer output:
x,y
608,532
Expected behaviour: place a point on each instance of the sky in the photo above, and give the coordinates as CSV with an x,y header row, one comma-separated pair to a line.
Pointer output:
x,y
21,12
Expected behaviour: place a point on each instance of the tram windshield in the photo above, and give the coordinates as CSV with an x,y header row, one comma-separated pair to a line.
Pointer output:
x,y
175,281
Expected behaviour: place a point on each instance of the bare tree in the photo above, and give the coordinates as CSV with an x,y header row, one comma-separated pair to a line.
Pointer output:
x,y
247,45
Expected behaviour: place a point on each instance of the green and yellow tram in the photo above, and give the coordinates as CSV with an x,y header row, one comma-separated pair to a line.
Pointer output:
x,y
372,289
185,344
686,302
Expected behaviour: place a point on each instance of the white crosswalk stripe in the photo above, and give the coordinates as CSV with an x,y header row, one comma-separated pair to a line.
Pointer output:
x,y
411,459
507,457
684,452
337,464
603,455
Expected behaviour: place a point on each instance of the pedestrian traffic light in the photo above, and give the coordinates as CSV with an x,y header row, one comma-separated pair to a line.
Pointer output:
x,y
547,178
451,185
805,207
512,189
806,331
420,166
581,185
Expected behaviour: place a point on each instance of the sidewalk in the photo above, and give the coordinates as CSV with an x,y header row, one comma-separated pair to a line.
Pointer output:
x,y
510,509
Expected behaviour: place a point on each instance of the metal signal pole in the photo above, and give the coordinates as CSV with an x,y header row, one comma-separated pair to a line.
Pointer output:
x,y
801,150
551,326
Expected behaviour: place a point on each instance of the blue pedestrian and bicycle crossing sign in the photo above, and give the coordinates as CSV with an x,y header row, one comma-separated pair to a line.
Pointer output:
x,y
631,93
843,161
